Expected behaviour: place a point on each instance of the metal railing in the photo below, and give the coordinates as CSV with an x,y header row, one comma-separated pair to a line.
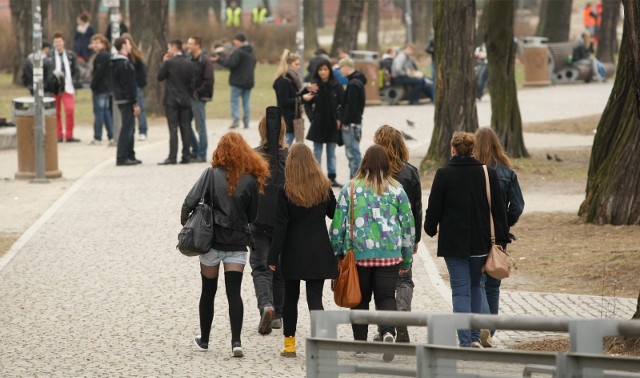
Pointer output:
x,y
440,356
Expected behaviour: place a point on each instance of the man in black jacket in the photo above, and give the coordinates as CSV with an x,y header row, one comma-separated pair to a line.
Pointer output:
x,y
242,64
180,74
124,90
101,88
202,93
351,112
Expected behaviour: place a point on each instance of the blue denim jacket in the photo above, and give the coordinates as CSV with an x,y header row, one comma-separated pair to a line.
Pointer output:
x,y
511,192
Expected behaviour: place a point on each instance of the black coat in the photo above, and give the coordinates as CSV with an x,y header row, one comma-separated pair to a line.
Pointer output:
x,y
286,95
301,240
123,78
232,214
141,73
204,77
180,74
410,180
269,199
323,112
458,210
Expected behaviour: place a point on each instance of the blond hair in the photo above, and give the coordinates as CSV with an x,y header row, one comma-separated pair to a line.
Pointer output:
x,y
393,142
304,182
462,142
487,148
286,59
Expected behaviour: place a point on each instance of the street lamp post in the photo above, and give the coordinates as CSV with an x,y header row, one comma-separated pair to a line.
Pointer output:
x,y
38,94
300,36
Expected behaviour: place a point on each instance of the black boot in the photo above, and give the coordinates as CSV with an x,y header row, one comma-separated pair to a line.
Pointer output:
x,y
334,183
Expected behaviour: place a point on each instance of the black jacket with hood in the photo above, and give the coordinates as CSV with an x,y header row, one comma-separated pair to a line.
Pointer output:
x,y
354,99
242,64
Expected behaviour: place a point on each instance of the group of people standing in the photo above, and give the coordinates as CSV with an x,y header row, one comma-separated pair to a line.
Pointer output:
x,y
335,112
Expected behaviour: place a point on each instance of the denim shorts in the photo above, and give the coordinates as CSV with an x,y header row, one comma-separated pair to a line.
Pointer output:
x,y
214,257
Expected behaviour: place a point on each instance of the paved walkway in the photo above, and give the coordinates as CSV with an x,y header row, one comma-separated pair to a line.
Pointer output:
x,y
95,287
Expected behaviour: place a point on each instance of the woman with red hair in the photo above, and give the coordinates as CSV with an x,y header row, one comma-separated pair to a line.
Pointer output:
x,y
239,174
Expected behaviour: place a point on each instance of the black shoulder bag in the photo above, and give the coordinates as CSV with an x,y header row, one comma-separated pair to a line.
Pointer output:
x,y
196,236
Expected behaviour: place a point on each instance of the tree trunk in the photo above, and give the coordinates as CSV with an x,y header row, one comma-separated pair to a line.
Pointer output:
x,y
310,28
348,25
455,88
217,10
150,31
608,36
422,15
319,6
481,31
637,313
613,183
22,21
555,20
501,51
373,25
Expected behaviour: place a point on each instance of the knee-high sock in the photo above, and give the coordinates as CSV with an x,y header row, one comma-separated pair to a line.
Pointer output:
x,y
233,281
209,288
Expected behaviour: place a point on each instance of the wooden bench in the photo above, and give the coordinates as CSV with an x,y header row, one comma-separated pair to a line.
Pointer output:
x,y
561,71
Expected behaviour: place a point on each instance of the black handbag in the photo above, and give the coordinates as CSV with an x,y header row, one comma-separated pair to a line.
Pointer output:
x,y
196,235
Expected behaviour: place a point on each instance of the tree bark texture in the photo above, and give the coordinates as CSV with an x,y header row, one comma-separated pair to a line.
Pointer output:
x,y
150,32
613,183
373,25
455,27
555,20
22,22
422,14
608,36
347,25
310,28
481,31
501,51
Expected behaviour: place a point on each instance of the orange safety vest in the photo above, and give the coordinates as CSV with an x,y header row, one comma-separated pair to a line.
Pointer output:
x,y
588,20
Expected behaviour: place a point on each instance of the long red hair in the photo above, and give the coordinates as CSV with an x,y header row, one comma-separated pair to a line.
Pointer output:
x,y
234,154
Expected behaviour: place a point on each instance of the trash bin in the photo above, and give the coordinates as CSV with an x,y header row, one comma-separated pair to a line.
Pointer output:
x,y
24,114
536,61
367,63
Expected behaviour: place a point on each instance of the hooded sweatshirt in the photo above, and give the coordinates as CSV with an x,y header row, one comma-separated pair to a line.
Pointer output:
x,y
354,99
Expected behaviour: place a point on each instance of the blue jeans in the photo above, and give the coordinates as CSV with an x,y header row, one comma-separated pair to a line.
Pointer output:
x,y
351,136
199,149
464,277
490,295
289,138
236,92
102,115
142,118
331,156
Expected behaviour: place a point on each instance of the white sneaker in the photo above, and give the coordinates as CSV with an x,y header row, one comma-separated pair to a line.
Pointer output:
x,y
476,344
112,143
142,137
236,350
95,142
388,338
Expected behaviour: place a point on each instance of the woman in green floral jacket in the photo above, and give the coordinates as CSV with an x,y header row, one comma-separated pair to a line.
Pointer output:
x,y
383,236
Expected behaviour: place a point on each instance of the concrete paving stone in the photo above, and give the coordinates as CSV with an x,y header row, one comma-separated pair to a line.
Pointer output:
x,y
100,290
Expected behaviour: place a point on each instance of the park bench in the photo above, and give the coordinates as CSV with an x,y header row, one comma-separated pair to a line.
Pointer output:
x,y
561,71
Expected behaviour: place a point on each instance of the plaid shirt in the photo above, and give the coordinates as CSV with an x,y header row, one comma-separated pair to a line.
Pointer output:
x,y
379,263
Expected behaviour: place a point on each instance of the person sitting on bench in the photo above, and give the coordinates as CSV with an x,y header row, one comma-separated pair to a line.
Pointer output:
x,y
583,55
405,72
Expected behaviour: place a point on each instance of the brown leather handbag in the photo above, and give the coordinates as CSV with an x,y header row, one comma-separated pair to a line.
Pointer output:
x,y
298,124
499,263
346,290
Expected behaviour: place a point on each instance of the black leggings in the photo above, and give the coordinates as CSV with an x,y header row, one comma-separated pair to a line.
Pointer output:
x,y
381,282
233,282
291,296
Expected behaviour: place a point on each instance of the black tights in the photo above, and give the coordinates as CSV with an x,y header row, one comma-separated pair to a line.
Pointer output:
x,y
233,282
291,296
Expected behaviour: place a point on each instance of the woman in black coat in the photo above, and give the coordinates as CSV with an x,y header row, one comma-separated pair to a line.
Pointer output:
x,y
300,242
458,210
323,114
289,90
